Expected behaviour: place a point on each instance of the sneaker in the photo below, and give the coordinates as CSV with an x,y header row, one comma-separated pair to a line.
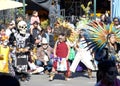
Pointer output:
x,y
41,73
51,78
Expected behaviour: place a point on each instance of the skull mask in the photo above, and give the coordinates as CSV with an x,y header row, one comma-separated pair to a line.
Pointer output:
x,y
22,27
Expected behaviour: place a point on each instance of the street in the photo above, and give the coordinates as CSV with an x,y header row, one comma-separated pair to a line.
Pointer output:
x,y
77,79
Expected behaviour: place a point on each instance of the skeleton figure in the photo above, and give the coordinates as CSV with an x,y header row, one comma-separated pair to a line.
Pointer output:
x,y
22,43
22,27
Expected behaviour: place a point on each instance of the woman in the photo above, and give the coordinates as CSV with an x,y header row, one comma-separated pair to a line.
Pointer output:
x,y
112,48
61,52
109,72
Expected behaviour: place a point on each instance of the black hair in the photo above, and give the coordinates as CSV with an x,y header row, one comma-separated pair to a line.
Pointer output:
x,y
105,65
19,15
8,80
109,36
63,34
116,18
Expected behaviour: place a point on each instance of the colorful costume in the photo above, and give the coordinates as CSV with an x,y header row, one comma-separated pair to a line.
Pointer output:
x,y
22,42
99,36
4,59
84,56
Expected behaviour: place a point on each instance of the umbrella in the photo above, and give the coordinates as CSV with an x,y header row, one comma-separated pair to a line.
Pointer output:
x,y
9,4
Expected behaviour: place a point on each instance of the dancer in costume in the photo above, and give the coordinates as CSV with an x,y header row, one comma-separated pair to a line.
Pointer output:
x,y
61,54
23,43
83,55
104,42
109,74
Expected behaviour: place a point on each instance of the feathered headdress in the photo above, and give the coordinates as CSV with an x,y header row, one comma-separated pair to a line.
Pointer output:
x,y
99,33
67,29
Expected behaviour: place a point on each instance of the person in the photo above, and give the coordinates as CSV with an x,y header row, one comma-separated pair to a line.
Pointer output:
x,y
43,56
22,42
104,42
27,19
61,54
114,25
11,28
8,80
35,32
113,49
34,69
19,18
4,53
83,54
112,46
52,14
108,74
58,8
110,52
34,18
116,22
49,36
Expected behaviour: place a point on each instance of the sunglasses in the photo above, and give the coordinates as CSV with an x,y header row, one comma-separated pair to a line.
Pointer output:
x,y
44,44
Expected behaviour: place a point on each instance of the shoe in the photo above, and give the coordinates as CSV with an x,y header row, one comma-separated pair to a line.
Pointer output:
x,y
41,73
89,74
47,72
67,79
51,78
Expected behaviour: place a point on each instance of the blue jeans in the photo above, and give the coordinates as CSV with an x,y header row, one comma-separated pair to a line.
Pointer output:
x,y
46,67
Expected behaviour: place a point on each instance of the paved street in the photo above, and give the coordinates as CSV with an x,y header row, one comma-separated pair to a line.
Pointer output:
x,y
78,79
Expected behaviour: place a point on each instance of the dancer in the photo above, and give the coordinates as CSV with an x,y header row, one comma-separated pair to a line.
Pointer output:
x,y
83,55
104,43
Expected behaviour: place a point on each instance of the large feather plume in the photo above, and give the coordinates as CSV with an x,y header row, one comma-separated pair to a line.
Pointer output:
x,y
99,33
66,28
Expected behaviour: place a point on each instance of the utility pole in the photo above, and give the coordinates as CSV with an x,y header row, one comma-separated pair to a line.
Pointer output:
x,y
111,9
95,9
24,7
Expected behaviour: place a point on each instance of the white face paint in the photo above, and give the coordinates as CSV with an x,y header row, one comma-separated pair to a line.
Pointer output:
x,y
22,27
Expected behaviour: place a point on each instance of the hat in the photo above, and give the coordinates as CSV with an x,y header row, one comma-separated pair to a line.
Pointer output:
x,y
44,41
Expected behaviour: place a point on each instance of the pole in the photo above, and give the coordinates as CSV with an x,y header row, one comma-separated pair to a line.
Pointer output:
x,y
24,7
111,9
15,13
95,9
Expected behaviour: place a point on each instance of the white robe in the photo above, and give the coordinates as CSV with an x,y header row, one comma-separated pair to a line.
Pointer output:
x,y
84,56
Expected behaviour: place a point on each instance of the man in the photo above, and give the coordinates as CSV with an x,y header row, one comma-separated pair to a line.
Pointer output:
x,y
43,55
